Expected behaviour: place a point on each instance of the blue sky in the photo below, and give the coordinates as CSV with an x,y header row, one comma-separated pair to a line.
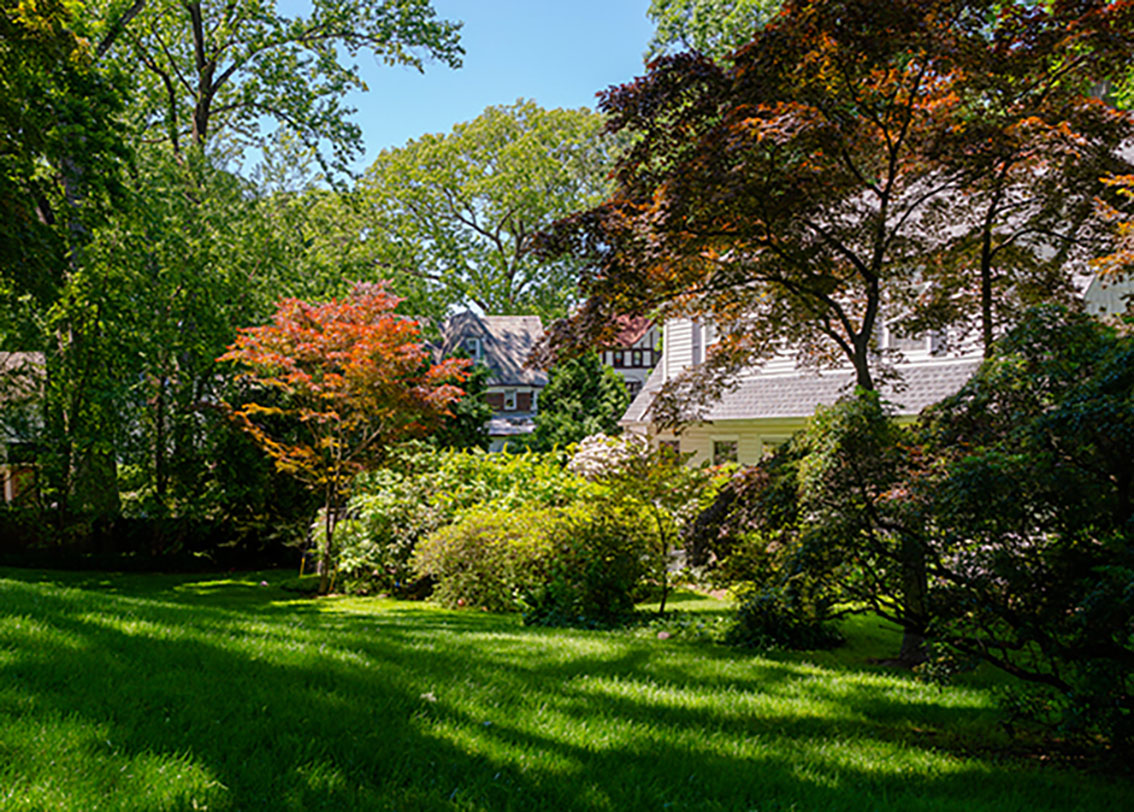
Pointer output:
x,y
557,52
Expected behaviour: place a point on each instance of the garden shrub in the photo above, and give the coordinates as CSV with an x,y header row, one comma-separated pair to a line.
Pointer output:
x,y
1031,499
384,525
775,616
578,565
598,560
422,489
653,480
761,547
487,559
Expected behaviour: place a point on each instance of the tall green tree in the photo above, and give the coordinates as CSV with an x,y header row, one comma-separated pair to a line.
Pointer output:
x,y
213,74
453,218
466,427
583,396
62,156
713,28
148,297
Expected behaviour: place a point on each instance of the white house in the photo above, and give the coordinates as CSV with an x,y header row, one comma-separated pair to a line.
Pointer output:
x,y
775,400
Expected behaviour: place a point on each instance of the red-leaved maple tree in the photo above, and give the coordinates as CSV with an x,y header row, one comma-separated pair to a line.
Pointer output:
x,y
334,385
911,166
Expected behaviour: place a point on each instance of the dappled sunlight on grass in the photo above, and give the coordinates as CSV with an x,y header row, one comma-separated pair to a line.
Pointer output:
x,y
222,692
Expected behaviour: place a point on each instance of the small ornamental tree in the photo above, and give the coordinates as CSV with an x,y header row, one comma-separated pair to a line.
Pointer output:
x,y
583,396
653,478
334,385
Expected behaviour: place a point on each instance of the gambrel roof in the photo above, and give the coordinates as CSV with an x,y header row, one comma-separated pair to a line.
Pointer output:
x,y
797,393
506,342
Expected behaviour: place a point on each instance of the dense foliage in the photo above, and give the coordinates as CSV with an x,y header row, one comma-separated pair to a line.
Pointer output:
x,y
1031,504
652,480
489,558
1000,528
422,489
453,217
583,396
508,532
855,166
600,560
132,244
714,28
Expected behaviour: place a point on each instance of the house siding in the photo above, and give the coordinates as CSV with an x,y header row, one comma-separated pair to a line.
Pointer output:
x,y
678,346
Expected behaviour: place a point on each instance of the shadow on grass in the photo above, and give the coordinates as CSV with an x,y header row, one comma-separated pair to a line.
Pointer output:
x,y
292,707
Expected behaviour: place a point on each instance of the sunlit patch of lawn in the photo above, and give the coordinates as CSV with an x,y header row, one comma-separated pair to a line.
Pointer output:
x,y
220,692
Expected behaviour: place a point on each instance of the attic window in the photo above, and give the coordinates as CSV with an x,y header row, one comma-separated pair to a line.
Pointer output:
x,y
891,340
474,348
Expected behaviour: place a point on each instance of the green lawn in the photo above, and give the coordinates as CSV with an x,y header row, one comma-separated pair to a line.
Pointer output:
x,y
183,692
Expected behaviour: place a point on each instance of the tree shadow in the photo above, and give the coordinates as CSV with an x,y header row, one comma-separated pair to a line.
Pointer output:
x,y
292,707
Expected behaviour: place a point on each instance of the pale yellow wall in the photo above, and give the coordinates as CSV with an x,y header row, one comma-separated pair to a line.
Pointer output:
x,y
754,438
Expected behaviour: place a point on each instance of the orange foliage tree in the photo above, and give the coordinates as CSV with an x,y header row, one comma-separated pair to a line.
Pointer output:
x,y
918,165
1119,263
335,384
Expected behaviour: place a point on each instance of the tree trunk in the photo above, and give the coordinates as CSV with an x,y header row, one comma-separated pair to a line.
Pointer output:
x,y
159,440
915,590
663,541
986,294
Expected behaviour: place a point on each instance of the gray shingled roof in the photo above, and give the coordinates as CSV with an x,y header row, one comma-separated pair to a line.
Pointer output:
x,y
21,373
636,411
511,426
797,394
506,342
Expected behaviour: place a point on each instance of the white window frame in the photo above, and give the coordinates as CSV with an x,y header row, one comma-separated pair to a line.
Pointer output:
x,y
889,341
509,400
475,347
723,438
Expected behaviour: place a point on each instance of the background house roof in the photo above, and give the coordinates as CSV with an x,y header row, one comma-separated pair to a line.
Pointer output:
x,y
506,342
21,373
797,394
630,330
511,426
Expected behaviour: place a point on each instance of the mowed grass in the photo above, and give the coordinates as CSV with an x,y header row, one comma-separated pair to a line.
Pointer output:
x,y
183,692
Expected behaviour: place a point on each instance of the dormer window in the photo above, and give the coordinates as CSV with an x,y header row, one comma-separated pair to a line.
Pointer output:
x,y
932,342
510,400
474,348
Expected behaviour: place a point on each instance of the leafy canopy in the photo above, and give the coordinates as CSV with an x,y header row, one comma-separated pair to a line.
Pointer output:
x,y
583,396
218,72
453,218
713,28
843,173
354,375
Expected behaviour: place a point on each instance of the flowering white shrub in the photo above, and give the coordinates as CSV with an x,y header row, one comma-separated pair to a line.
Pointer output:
x,y
652,478
601,457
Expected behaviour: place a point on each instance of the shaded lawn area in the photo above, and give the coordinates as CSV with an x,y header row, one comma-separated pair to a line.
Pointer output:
x,y
189,692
